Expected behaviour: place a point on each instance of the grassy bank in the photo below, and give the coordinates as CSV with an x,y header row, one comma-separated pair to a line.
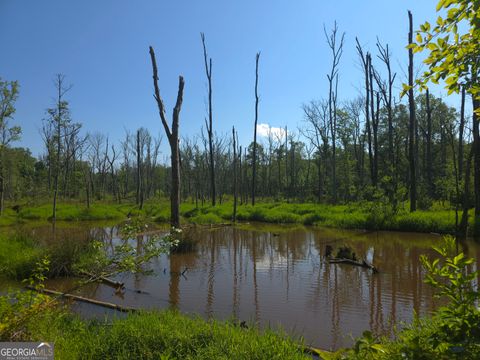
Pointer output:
x,y
355,216
367,215
158,335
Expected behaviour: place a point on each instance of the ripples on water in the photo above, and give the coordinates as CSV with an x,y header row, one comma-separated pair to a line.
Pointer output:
x,y
278,276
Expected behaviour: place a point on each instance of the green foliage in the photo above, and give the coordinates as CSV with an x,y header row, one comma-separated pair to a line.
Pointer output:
x,y
453,55
451,277
19,308
8,97
127,256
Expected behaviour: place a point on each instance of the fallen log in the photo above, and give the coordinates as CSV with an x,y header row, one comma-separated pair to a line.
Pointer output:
x,y
84,299
363,263
116,284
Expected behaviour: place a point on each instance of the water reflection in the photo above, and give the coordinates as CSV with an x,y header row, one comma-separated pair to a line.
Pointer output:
x,y
279,276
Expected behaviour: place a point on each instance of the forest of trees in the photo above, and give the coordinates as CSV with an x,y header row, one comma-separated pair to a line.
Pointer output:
x,y
408,151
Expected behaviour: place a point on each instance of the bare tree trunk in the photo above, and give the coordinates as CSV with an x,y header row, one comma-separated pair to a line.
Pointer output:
x,y
234,216
286,162
461,130
57,161
429,164
476,164
240,174
337,50
209,125
387,97
173,139
366,59
374,117
254,170
139,174
412,122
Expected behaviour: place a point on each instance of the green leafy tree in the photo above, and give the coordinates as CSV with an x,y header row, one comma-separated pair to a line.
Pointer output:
x,y
453,55
8,97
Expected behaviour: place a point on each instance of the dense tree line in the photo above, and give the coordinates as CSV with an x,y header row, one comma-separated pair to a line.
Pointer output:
x,y
298,166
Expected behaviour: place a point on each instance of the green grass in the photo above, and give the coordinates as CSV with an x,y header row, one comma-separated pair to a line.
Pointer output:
x,y
75,212
367,215
159,335
18,255
355,216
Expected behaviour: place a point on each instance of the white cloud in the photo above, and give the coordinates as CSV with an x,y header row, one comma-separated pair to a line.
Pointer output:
x,y
276,132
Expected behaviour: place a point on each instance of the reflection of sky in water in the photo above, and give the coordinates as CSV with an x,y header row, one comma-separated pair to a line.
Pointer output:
x,y
253,275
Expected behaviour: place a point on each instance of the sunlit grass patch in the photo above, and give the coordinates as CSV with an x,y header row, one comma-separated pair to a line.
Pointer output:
x,y
161,335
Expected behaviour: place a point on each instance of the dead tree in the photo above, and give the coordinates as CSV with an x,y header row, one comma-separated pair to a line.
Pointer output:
x,y
254,160
386,89
173,140
429,164
375,119
337,50
209,124
461,130
366,59
234,216
411,125
139,151
60,117
111,164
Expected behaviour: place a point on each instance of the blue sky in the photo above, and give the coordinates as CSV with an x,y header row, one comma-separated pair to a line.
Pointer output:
x,y
102,48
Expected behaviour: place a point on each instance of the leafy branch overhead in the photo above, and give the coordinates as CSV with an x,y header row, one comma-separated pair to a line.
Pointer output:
x,y
453,43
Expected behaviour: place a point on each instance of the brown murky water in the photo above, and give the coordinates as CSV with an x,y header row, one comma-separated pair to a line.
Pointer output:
x,y
276,275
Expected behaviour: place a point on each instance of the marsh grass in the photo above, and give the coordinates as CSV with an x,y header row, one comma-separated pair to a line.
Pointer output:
x,y
19,254
160,335
364,215
75,212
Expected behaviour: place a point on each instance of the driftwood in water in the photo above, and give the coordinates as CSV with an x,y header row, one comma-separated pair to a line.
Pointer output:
x,y
83,299
116,284
362,263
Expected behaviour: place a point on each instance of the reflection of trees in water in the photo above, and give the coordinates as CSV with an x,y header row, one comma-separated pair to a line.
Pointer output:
x,y
241,267
338,288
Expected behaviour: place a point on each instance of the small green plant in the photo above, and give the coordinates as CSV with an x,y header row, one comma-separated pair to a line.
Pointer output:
x,y
128,256
18,308
450,276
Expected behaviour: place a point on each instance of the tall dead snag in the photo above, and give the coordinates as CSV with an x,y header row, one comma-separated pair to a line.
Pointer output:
x,y
337,50
375,120
234,216
429,164
209,124
254,172
60,118
461,130
386,89
139,195
173,140
411,125
366,59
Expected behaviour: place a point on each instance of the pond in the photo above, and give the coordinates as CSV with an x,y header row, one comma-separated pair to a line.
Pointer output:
x,y
275,276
